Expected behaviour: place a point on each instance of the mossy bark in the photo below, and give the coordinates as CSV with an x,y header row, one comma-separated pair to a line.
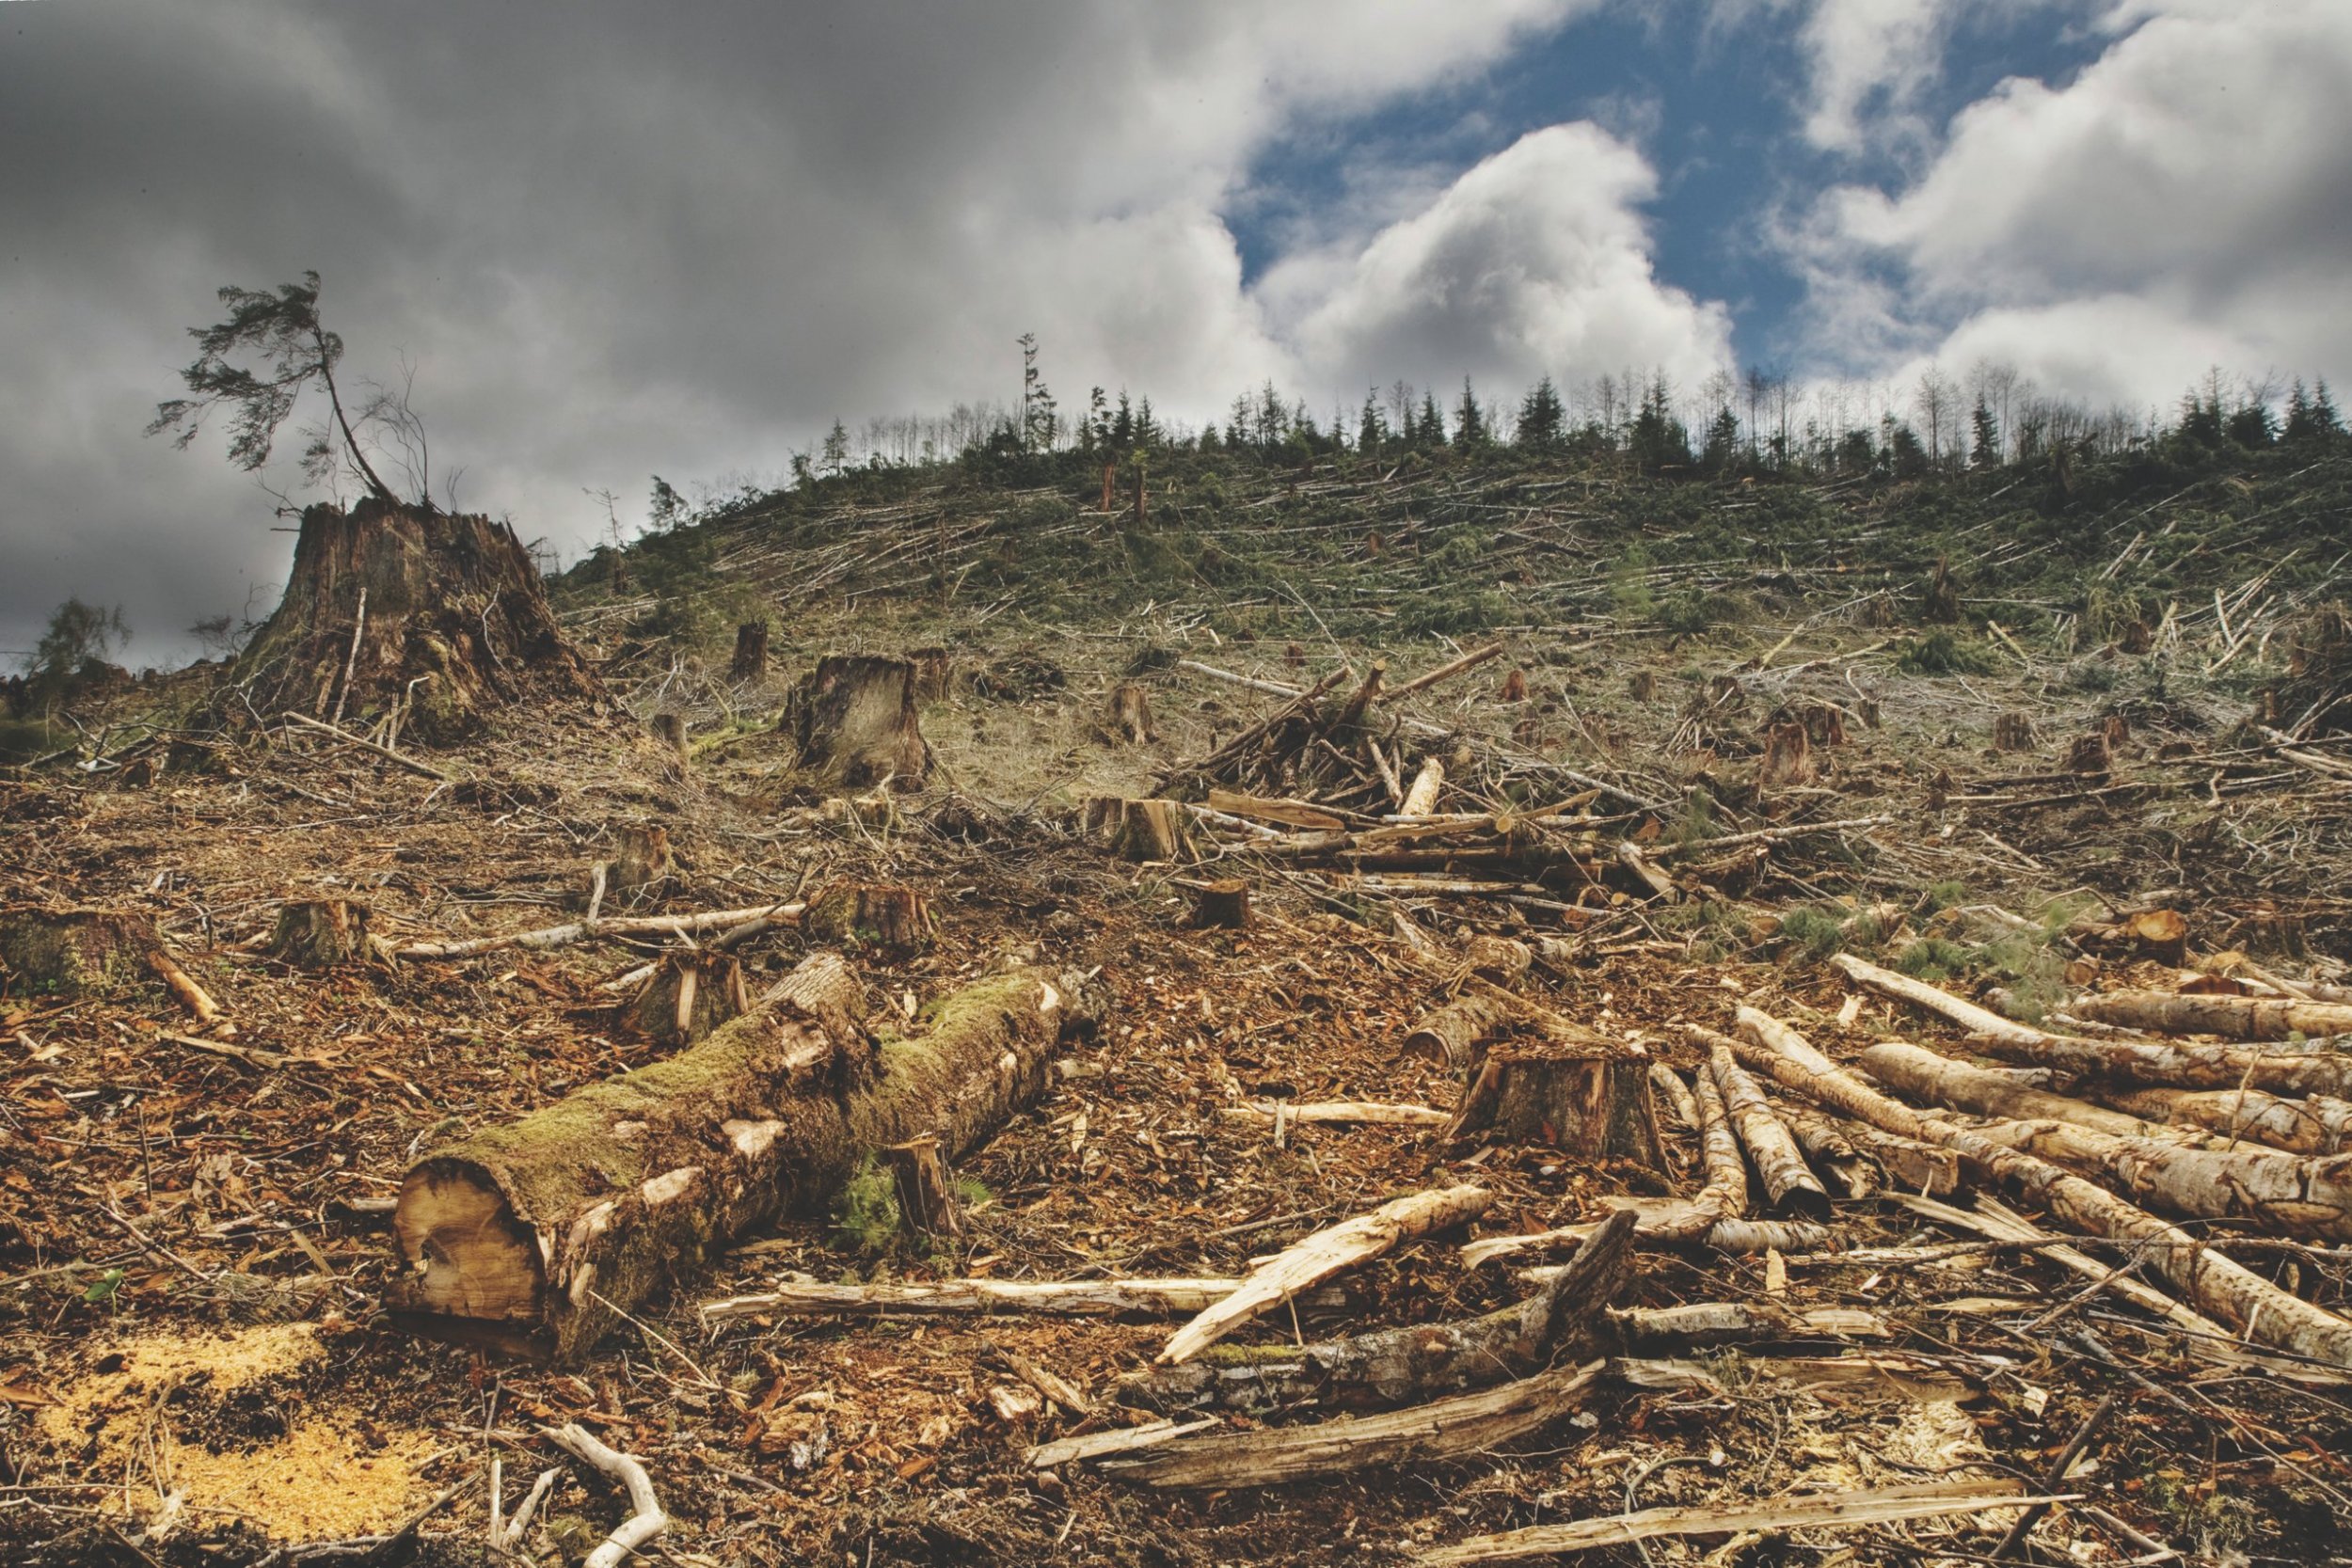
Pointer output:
x,y
69,954
537,1236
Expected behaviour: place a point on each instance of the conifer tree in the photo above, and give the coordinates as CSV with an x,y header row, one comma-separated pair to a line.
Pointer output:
x,y
1543,418
1469,425
1432,422
1370,428
1985,448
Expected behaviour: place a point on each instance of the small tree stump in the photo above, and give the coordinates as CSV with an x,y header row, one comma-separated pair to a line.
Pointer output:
x,y
670,730
1597,1105
1223,904
1941,602
1824,723
1131,713
749,662
2090,754
894,921
2137,639
688,996
1514,688
1643,685
1152,830
322,934
1103,819
926,1204
642,868
853,721
2012,732
932,673
1787,758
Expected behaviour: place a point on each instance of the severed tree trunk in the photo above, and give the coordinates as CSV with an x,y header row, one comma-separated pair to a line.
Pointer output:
x,y
1152,830
687,996
440,617
1788,759
2162,1063
2212,1281
2320,1124
1599,1105
1394,1366
895,921
853,722
1790,1187
750,653
2013,732
2287,1195
1457,1033
318,934
1922,1075
1223,904
1131,713
643,868
536,1236
69,954
1421,795
926,1204
1826,1145
2237,1018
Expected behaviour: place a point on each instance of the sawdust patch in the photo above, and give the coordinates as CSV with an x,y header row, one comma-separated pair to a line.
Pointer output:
x,y
165,1414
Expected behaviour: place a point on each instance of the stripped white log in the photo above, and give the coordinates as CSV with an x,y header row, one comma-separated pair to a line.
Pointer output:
x,y
646,1519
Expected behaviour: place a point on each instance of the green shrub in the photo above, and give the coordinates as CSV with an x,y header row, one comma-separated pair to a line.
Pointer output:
x,y
1932,959
1818,932
866,1213
1940,652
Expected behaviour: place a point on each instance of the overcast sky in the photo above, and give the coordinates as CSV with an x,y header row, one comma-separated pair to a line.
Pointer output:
x,y
621,240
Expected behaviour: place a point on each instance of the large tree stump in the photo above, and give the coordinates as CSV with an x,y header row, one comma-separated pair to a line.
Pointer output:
x,y
1788,759
750,653
1599,1105
687,996
318,934
853,721
894,921
1223,904
1152,830
66,954
440,616
1131,713
537,1236
642,868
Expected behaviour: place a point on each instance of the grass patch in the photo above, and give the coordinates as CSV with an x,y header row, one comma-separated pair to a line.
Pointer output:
x,y
1941,653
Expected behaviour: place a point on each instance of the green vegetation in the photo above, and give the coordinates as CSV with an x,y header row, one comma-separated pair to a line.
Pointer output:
x,y
1940,652
865,1215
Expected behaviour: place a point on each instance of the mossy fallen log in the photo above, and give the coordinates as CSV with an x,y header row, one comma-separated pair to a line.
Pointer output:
x,y
537,1236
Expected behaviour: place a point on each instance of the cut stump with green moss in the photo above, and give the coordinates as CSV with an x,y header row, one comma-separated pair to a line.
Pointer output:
x,y
537,1236
69,954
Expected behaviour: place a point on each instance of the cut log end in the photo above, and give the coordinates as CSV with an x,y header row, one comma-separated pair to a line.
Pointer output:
x,y
894,923
1223,904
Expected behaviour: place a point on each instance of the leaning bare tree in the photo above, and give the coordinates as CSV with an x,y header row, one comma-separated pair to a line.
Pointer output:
x,y
394,611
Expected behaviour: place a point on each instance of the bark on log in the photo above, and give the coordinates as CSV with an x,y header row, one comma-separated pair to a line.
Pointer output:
x,y
581,930
1418,1362
2237,1018
2318,1125
2165,1065
1457,1033
1329,1252
894,921
2212,1281
1498,960
2287,1195
1788,1185
1828,1148
1443,1429
1902,987
750,653
535,1236
1649,1329
853,722
1597,1105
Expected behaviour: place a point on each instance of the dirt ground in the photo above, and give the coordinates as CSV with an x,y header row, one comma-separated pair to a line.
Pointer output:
x,y
194,1369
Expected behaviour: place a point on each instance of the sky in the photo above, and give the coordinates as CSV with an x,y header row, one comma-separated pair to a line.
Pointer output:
x,y
602,241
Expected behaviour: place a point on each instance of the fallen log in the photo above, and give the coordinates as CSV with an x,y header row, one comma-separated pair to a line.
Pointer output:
x,y
1703,1324
1443,1429
1787,1184
1421,795
1342,1111
2167,1064
1072,1298
2287,1195
1826,1145
1830,1510
2212,1282
1417,1362
1902,987
1920,1074
2318,1125
2237,1018
583,930
1456,1032
537,1235
1325,1254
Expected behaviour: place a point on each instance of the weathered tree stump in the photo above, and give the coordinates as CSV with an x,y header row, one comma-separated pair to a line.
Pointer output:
x,y
1131,713
1643,685
854,723
2089,754
66,954
320,934
441,615
1941,602
1599,1105
891,922
1223,904
1514,688
687,996
933,672
926,1203
750,653
2013,732
642,868
669,729
1824,723
1787,758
